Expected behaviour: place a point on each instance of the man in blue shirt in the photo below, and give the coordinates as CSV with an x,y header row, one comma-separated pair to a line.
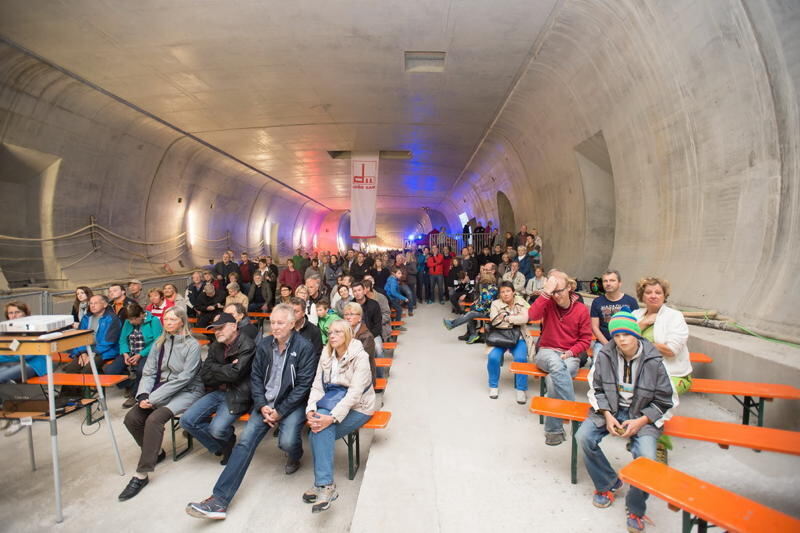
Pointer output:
x,y
396,299
606,305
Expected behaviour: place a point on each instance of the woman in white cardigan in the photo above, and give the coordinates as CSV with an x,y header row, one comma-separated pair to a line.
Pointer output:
x,y
666,328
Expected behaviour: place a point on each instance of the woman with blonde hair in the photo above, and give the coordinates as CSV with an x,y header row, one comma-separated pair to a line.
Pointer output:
x,y
170,383
666,328
341,401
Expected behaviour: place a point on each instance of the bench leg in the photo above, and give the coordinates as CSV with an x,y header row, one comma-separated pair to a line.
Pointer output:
x,y
574,460
174,424
542,393
353,454
689,521
746,404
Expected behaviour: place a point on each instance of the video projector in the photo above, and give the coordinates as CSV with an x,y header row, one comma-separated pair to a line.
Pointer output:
x,y
37,324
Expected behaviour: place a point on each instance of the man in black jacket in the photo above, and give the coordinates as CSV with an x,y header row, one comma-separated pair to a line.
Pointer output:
x,y
280,382
371,315
226,376
225,267
304,327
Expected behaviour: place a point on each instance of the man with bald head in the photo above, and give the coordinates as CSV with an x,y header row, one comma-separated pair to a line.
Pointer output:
x,y
566,333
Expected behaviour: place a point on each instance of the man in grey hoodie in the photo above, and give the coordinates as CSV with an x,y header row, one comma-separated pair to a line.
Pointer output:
x,y
631,397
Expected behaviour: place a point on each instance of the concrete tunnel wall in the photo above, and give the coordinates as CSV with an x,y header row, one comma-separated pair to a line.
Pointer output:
x,y
129,171
698,106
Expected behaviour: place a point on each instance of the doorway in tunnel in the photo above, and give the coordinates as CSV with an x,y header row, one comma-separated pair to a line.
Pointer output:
x,y
597,179
506,214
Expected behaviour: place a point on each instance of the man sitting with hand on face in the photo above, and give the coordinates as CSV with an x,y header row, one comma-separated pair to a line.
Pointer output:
x,y
280,383
631,397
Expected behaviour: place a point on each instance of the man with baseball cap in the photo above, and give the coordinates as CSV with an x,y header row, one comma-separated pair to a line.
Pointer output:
x,y
226,376
136,294
631,397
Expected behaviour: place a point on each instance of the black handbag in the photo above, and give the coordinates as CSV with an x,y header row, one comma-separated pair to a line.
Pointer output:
x,y
502,337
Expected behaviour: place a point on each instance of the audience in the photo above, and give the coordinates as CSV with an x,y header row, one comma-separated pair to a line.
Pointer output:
x,y
325,316
243,322
341,401
106,327
139,331
235,295
118,299
516,278
290,276
158,304
170,384
174,298
135,292
226,377
611,302
509,312
260,295
281,378
81,304
209,304
304,327
353,314
566,334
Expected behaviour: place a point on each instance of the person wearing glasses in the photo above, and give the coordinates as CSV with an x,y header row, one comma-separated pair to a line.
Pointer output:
x,y
281,377
342,400
566,333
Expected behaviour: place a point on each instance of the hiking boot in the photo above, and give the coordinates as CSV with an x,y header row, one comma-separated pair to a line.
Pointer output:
x,y
635,523
554,439
661,453
473,338
603,499
447,323
209,508
493,393
310,496
522,397
325,497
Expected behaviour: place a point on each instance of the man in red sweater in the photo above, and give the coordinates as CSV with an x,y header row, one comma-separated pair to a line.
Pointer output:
x,y
566,333
435,264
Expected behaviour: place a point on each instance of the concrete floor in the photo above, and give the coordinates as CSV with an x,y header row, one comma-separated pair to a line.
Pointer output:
x,y
451,460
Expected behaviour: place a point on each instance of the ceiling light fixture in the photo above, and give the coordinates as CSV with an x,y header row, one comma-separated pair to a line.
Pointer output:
x,y
424,61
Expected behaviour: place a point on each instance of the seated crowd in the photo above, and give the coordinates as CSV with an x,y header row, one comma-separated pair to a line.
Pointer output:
x,y
329,317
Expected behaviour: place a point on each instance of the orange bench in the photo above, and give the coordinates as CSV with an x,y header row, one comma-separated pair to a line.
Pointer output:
x,y
82,380
259,315
202,331
192,320
383,362
397,323
724,434
703,503
389,345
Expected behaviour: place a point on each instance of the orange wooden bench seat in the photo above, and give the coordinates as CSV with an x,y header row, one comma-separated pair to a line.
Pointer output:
x,y
703,503
61,357
380,384
389,345
383,362
202,331
698,357
203,342
396,323
764,392
395,332
724,434
80,380
258,315
192,320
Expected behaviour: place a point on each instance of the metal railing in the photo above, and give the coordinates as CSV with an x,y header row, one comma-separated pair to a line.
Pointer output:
x,y
457,241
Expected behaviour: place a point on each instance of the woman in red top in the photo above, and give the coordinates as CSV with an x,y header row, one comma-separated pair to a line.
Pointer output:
x,y
289,276
158,304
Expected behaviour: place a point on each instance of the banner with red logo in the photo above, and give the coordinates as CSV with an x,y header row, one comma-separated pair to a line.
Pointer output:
x,y
363,194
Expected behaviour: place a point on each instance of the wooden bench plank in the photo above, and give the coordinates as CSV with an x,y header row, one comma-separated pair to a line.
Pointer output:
x,y
380,384
379,420
80,380
202,331
259,315
383,362
697,357
709,502
389,345
396,323
745,388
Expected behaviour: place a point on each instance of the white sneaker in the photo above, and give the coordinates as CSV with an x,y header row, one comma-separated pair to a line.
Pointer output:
x,y
4,423
493,393
14,428
522,397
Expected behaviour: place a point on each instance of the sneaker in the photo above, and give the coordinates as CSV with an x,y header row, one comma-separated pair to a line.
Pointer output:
x,y
473,339
661,453
493,393
128,403
554,439
522,397
447,323
463,337
292,466
4,423
325,497
310,496
13,429
635,523
411,313
603,499
228,450
429,302
208,508
135,486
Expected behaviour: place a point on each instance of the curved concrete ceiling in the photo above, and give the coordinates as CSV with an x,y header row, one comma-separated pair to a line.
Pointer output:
x,y
278,84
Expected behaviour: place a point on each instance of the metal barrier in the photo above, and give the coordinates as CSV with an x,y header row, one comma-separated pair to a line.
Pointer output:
x,y
46,302
457,241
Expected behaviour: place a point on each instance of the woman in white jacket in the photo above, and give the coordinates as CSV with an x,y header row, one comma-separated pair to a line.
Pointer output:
x,y
666,328
509,311
341,401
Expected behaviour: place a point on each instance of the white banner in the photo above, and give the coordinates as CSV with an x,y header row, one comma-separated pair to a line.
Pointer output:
x,y
363,194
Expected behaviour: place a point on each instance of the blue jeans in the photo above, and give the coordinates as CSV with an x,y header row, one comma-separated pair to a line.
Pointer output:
x,y
603,476
322,444
424,286
118,367
560,373
212,432
397,306
520,353
11,372
437,280
406,291
466,317
289,441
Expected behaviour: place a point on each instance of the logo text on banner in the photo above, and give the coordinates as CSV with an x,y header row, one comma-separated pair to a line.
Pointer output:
x,y
363,194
